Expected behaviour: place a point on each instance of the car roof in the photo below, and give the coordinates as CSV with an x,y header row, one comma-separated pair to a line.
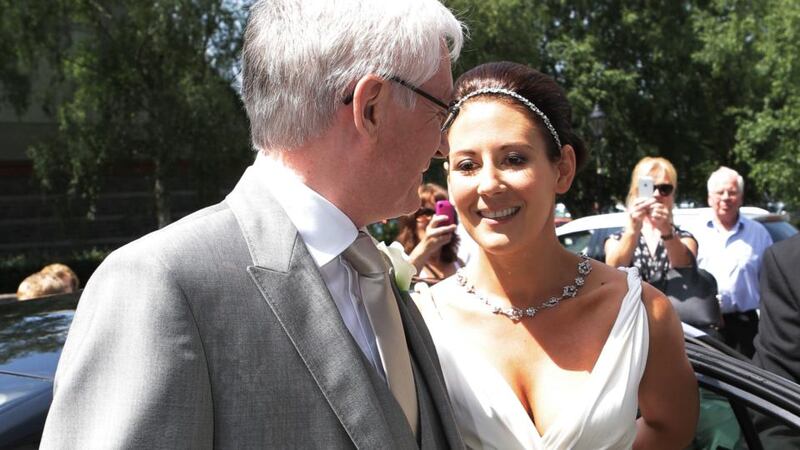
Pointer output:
x,y
32,333
682,216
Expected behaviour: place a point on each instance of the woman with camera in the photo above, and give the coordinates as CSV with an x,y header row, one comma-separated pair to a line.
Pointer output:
x,y
650,241
428,236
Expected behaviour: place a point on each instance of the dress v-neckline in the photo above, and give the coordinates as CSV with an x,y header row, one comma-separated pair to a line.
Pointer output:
x,y
524,427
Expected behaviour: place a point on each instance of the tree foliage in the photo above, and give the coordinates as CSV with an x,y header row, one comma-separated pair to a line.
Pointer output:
x,y
702,83
144,82
758,43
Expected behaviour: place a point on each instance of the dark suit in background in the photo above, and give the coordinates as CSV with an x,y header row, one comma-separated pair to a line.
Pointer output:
x,y
778,340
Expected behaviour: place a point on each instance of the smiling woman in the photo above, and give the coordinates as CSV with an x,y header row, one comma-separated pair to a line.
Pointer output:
x,y
541,348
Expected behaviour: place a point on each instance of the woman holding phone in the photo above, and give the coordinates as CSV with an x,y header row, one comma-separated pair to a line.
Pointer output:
x,y
428,236
541,348
650,241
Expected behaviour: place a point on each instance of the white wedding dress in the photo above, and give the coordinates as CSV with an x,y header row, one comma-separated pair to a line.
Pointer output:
x,y
490,415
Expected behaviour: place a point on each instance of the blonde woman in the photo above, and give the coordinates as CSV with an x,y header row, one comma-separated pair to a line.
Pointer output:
x,y
650,241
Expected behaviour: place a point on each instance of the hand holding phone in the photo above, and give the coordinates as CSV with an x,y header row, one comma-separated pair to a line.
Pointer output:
x,y
445,208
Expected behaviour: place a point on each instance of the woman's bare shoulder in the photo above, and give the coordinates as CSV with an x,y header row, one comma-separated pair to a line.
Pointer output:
x,y
607,277
662,318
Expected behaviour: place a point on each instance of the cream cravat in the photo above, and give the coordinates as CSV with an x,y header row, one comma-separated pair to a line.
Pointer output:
x,y
381,306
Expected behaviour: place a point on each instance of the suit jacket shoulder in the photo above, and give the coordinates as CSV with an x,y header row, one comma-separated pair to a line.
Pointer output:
x,y
777,348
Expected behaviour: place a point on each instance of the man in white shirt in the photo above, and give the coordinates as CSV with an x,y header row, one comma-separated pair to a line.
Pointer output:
x,y
262,322
730,247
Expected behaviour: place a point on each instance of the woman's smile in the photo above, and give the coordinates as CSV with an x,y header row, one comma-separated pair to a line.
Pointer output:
x,y
496,216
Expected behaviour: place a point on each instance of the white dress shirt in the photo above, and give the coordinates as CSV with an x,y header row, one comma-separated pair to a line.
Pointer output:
x,y
734,258
327,232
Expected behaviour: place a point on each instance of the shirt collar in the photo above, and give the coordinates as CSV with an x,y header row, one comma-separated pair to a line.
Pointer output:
x,y
711,223
325,229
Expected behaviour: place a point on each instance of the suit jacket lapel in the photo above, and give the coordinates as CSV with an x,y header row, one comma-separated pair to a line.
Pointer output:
x,y
291,284
423,351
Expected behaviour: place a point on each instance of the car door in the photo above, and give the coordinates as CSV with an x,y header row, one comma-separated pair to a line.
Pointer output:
x,y
742,406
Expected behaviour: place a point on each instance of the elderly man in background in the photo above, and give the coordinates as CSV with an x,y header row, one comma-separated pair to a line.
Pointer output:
x,y
271,320
730,248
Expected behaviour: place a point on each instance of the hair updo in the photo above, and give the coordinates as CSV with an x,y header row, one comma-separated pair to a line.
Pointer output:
x,y
539,89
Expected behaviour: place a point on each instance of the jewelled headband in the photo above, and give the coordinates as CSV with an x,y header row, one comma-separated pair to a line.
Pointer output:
x,y
454,110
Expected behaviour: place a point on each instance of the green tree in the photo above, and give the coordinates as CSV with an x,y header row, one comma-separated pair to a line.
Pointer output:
x,y
144,82
694,81
758,45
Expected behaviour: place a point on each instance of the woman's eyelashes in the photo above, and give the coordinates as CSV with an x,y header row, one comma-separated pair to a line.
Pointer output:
x,y
516,159
466,165
510,160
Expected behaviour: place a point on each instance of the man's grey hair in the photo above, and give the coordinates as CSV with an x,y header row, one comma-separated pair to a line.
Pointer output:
x,y
301,57
722,174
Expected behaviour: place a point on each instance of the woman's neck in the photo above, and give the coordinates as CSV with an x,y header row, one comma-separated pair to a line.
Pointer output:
x,y
525,278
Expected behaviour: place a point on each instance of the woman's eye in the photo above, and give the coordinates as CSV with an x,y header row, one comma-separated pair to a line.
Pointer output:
x,y
516,159
466,165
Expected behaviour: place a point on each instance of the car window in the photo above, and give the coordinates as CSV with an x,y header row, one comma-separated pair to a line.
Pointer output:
x,y
597,246
588,242
726,423
779,230
576,242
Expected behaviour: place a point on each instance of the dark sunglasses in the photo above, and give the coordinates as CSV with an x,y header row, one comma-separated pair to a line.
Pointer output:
x,y
664,189
347,100
424,212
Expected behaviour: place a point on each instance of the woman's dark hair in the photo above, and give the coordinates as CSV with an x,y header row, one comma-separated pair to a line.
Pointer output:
x,y
429,194
539,89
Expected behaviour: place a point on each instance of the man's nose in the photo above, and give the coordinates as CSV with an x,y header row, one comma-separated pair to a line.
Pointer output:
x,y
444,147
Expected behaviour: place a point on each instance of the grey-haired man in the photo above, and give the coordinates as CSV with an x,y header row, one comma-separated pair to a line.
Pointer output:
x,y
252,324
731,246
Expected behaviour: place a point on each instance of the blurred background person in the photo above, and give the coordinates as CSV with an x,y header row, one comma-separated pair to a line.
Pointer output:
x,y
66,274
40,284
432,244
53,279
650,241
731,247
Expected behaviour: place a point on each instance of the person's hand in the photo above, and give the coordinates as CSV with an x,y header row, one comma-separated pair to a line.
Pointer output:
x,y
638,211
661,218
437,235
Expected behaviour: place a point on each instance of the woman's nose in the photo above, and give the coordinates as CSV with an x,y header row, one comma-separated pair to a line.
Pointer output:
x,y
490,181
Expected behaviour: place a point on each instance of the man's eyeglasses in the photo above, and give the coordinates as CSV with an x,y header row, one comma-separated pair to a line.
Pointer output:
x,y
419,92
664,189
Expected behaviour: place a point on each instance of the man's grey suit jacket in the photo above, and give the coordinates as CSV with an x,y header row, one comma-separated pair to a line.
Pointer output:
x,y
218,331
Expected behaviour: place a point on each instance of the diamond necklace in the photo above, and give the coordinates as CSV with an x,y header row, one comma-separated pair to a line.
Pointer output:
x,y
516,314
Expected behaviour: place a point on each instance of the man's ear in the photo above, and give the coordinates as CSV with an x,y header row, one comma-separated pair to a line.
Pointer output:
x,y
367,94
565,169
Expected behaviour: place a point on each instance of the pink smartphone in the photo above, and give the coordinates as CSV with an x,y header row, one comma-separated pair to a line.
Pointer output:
x,y
445,208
